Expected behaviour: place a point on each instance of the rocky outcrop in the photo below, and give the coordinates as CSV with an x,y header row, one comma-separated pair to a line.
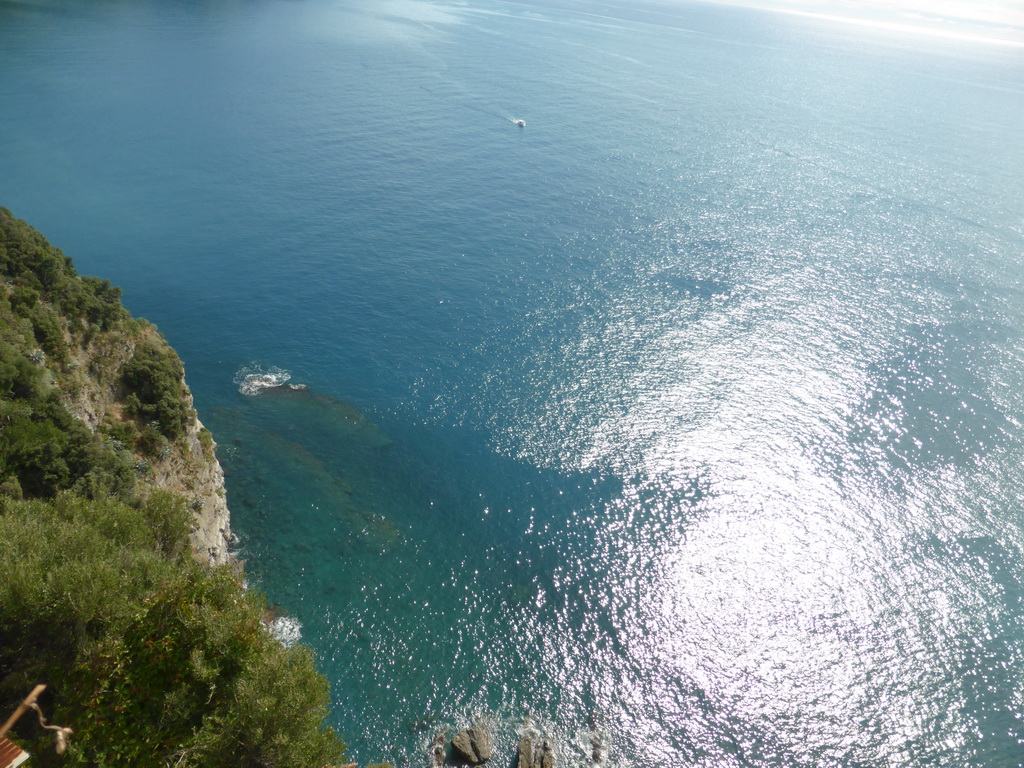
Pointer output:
x,y
93,393
437,750
597,748
535,752
473,745
196,474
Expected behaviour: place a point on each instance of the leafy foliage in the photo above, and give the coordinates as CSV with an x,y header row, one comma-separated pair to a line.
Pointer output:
x,y
29,262
154,379
42,446
150,659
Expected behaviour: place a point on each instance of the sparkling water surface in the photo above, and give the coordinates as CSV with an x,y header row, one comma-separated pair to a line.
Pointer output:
x,y
686,419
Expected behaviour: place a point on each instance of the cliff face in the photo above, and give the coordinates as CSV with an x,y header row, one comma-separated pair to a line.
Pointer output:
x,y
197,475
92,390
66,340
106,477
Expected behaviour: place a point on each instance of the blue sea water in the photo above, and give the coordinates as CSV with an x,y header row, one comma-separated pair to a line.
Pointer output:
x,y
687,419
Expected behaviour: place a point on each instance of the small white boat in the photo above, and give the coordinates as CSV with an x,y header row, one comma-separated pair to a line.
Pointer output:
x,y
521,123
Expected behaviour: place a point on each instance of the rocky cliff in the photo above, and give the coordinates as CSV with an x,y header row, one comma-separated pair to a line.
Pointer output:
x,y
93,390
68,337
107,480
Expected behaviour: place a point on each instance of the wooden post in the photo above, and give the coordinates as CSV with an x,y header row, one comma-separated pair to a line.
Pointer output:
x,y
22,709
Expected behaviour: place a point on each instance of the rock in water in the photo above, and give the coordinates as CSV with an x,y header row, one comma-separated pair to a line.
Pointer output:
x,y
525,751
596,748
473,745
534,755
437,750
547,755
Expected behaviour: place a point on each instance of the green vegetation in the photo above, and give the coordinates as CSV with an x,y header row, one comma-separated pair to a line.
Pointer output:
x,y
151,658
43,448
206,441
154,378
38,272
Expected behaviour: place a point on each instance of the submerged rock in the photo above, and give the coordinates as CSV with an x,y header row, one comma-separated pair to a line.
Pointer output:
x,y
421,725
473,745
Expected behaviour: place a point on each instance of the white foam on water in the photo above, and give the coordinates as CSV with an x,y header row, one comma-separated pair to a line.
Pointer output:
x,y
286,630
253,379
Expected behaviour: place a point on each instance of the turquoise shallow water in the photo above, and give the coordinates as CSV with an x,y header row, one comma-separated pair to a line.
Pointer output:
x,y
687,418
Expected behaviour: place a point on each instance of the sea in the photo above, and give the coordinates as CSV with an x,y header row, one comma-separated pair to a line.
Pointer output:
x,y
647,375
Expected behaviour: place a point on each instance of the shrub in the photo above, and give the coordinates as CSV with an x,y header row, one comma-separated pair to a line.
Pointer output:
x,y
151,660
150,441
19,377
154,379
206,441
275,718
48,332
11,488
125,433
23,300
40,270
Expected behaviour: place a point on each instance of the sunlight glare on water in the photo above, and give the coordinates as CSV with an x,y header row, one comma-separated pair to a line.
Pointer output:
x,y
791,496
682,423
